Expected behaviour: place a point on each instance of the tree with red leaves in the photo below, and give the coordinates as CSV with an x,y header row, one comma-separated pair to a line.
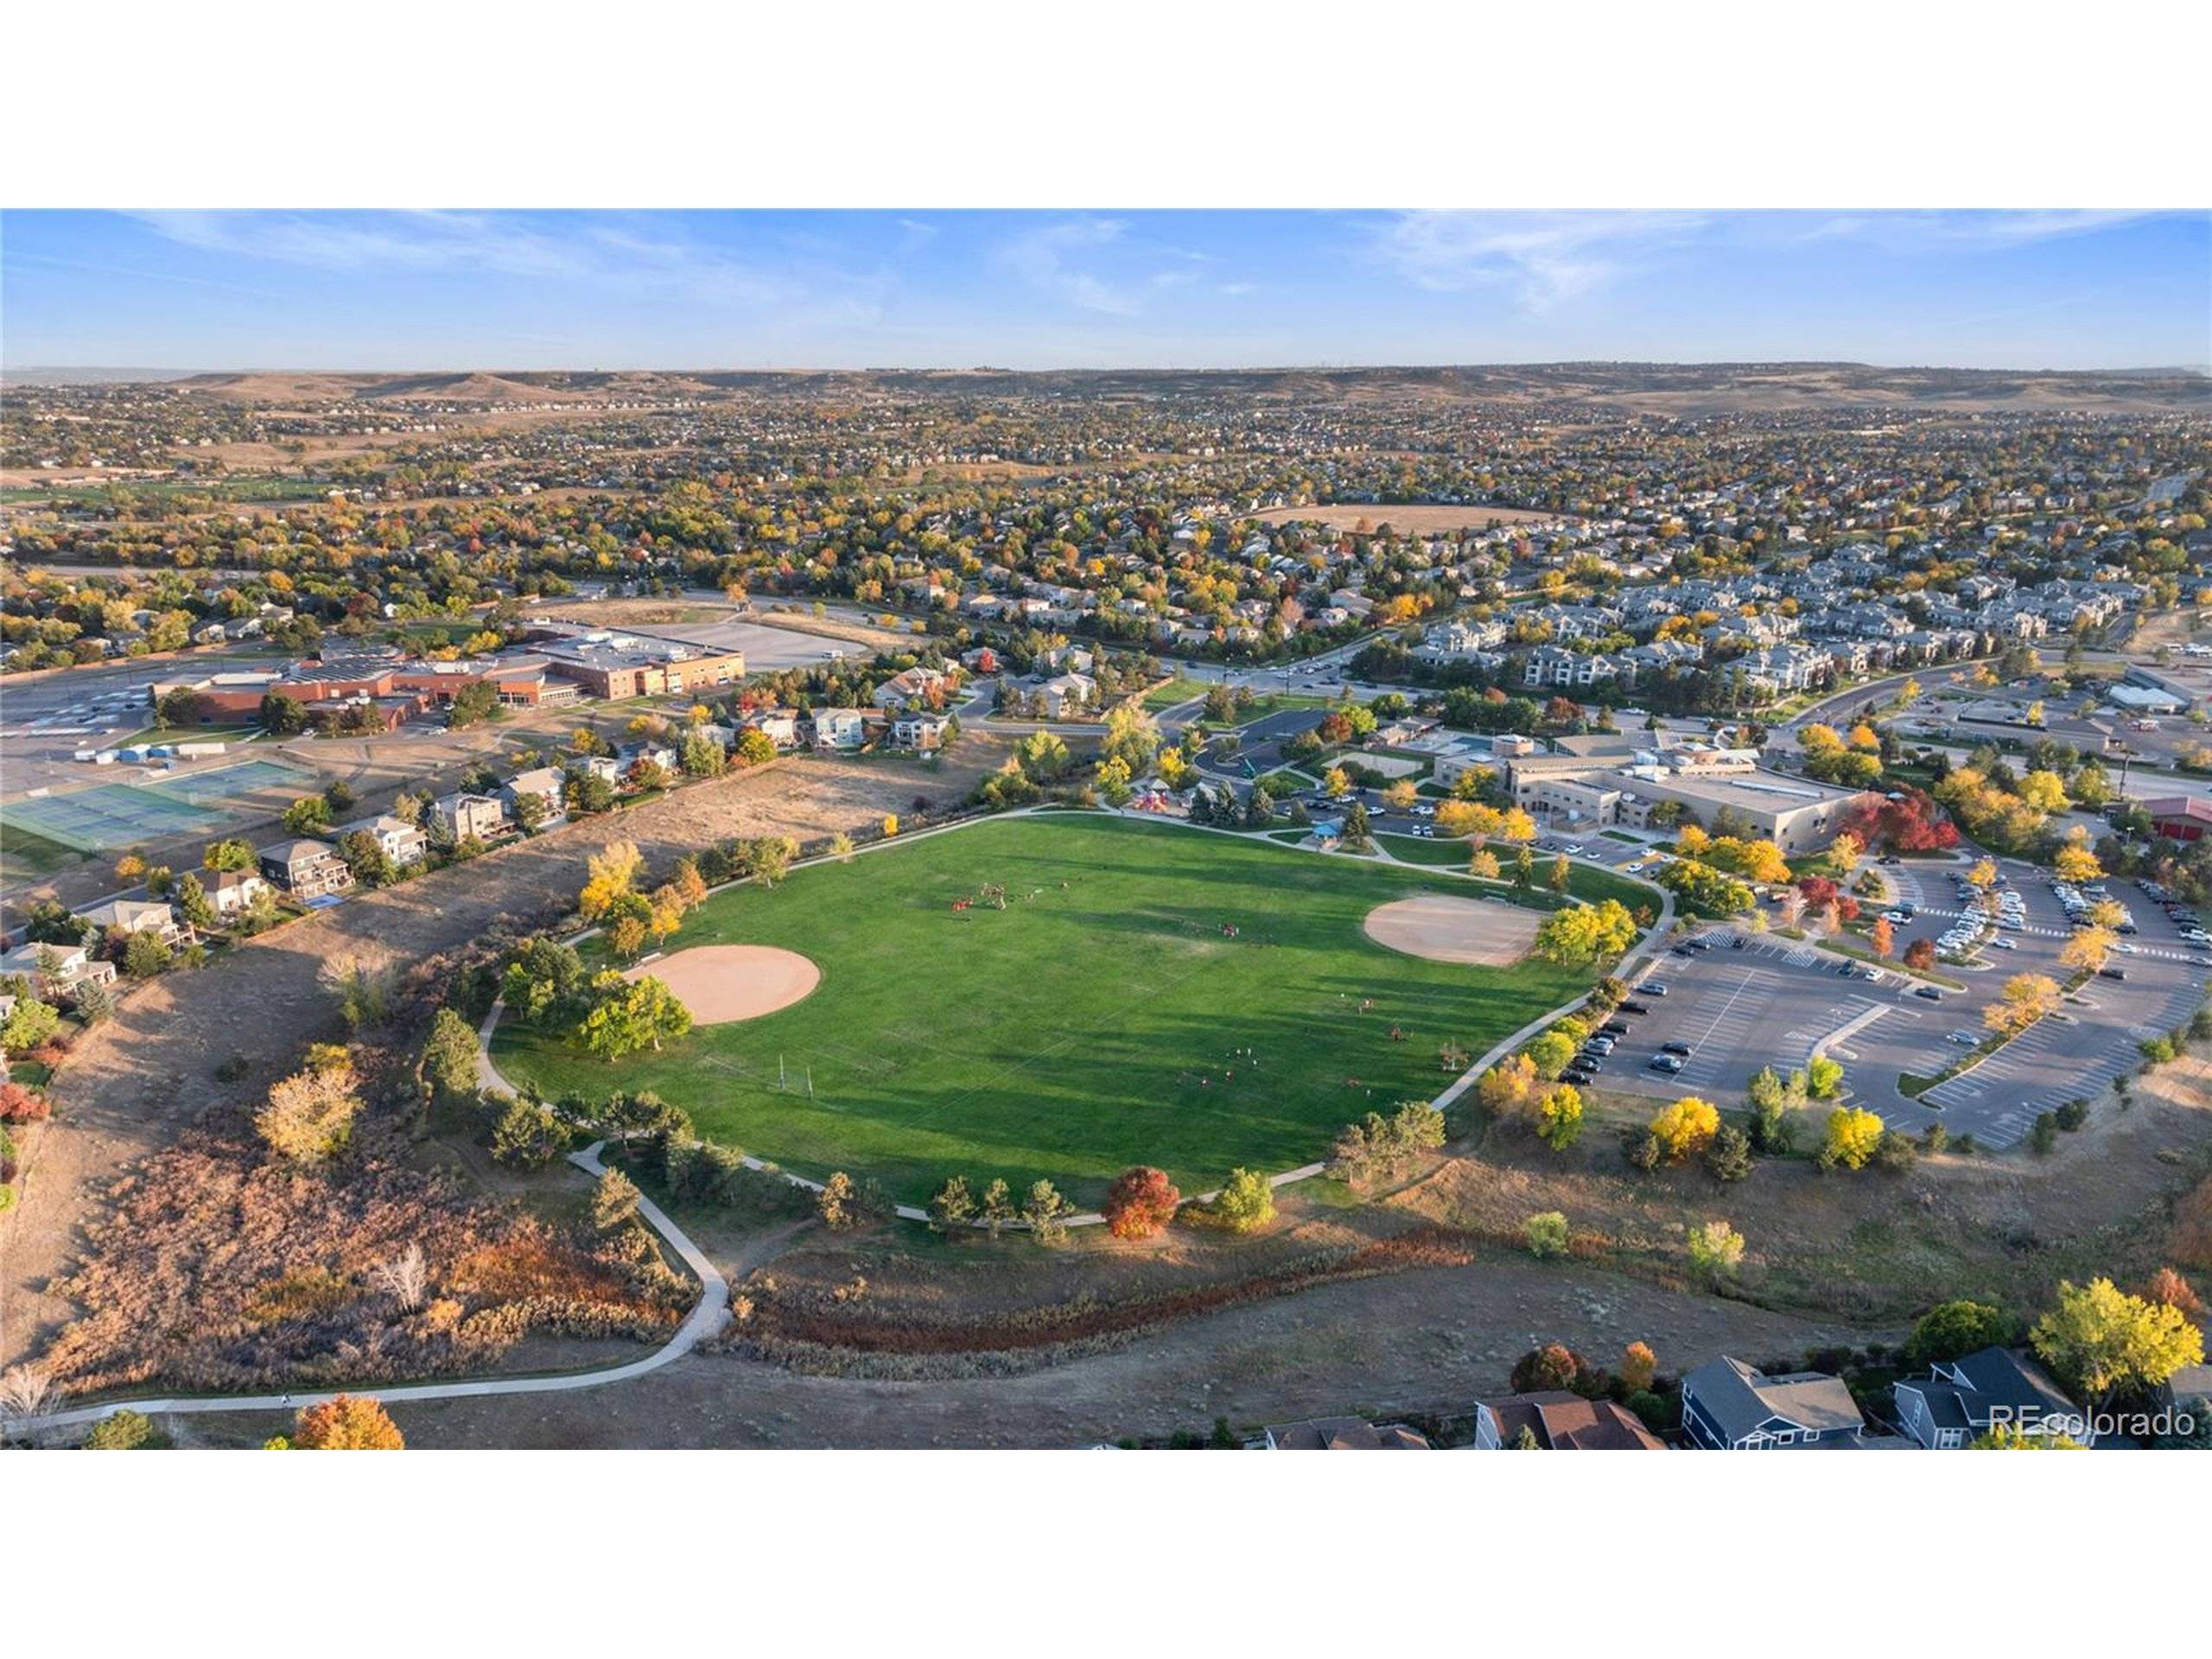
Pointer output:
x,y
1910,824
1920,955
22,1105
1141,1203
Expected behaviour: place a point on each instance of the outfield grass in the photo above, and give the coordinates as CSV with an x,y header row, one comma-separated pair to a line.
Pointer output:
x,y
1066,1037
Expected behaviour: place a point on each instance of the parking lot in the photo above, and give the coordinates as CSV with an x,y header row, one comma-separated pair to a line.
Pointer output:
x,y
1772,1000
1766,1003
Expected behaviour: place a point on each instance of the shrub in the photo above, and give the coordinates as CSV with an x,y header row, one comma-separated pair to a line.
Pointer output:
x,y
1246,1202
309,1116
349,1423
122,1431
1729,1158
1716,1250
1546,1234
1554,1365
614,1202
1141,1203
2072,1115
22,1105
1895,1153
1638,1366
2043,1138
529,1135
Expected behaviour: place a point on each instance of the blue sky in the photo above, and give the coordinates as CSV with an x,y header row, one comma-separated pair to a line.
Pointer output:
x,y
1104,288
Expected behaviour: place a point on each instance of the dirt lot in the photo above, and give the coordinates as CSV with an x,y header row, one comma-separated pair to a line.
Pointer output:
x,y
1416,519
133,1080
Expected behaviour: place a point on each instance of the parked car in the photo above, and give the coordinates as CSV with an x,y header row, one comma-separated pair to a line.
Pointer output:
x,y
1682,1049
1653,987
2112,973
1667,1063
1928,994
1614,1028
1636,1007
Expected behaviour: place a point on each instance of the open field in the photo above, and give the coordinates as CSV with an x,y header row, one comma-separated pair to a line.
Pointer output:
x,y
1415,517
1101,1020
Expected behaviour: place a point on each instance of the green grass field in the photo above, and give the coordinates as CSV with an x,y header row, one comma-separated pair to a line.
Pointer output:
x,y
1071,1035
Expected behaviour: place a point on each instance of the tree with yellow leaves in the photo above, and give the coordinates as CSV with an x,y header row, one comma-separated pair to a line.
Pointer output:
x,y
2087,950
611,876
1844,852
1685,1128
2077,864
1484,863
1335,784
2025,998
1692,840
1864,739
2043,791
1982,874
1853,1135
1507,1087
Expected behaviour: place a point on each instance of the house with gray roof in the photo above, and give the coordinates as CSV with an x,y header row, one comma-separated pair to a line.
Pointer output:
x,y
1728,1406
1965,1398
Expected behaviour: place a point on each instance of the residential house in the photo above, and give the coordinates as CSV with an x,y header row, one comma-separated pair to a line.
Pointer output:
x,y
1344,1435
1065,694
306,869
1728,1406
141,916
57,972
838,730
542,782
1560,1421
466,815
232,892
402,842
917,729
779,726
909,689
1963,1398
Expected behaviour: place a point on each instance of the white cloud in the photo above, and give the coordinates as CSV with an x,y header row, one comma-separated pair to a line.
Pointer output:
x,y
1545,257
578,248
1043,259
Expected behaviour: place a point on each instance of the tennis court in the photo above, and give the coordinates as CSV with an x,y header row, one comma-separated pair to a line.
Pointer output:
x,y
109,816
228,782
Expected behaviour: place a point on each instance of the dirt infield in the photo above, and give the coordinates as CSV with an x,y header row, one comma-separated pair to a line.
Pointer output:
x,y
724,982
1443,929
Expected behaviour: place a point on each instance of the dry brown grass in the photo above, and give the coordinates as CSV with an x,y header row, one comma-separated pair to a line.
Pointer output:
x,y
219,1269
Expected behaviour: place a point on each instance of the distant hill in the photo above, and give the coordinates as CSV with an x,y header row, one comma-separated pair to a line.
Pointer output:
x,y
1662,389
36,376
